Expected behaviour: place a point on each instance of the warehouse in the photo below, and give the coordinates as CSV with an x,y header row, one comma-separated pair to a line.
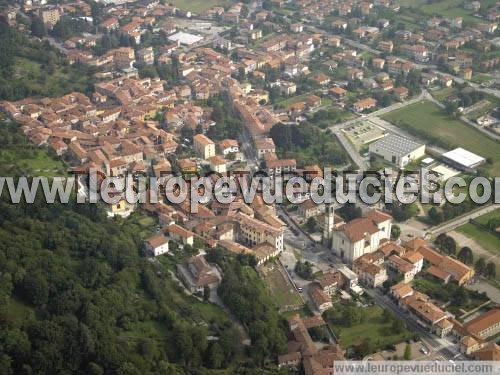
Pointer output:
x,y
462,159
397,150
185,39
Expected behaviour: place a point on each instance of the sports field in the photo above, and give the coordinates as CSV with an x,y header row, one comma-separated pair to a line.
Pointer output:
x,y
198,6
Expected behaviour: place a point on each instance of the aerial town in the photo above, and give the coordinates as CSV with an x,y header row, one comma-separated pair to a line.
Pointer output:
x,y
284,88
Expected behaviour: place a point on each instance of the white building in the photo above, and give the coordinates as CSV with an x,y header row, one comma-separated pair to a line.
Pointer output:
x,y
185,38
397,150
156,245
462,159
360,236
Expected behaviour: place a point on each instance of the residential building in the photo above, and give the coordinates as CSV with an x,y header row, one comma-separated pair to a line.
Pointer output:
x,y
227,146
196,274
204,146
264,146
156,245
253,232
320,299
308,209
217,164
178,233
364,104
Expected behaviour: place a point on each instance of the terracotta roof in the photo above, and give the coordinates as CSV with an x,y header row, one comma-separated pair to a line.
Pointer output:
x,y
157,241
484,321
264,143
330,278
319,297
490,353
378,216
180,231
468,341
217,160
437,272
202,140
356,229
390,247
401,289
412,256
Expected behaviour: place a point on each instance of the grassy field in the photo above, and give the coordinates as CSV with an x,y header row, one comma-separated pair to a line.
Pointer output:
x,y
282,291
375,328
481,78
448,9
487,240
198,6
426,119
34,162
442,94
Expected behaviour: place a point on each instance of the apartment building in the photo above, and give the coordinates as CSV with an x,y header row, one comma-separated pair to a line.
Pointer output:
x,y
204,146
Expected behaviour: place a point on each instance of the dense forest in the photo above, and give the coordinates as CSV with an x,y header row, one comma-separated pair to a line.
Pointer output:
x,y
308,144
78,297
32,68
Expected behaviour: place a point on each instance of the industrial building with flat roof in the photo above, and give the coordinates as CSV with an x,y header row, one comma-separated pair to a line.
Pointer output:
x,y
185,38
462,159
397,150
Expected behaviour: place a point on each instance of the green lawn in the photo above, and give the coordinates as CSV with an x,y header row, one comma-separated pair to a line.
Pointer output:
x,y
487,240
481,78
35,162
427,120
487,217
198,5
442,94
448,9
435,290
374,328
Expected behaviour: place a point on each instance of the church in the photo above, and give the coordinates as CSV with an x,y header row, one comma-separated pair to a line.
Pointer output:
x,y
357,237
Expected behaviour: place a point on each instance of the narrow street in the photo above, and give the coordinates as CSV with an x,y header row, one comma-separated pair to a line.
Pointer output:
x,y
443,346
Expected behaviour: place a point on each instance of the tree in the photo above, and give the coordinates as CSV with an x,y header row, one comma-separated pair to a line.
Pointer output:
x,y
206,293
304,270
38,27
311,225
435,216
397,326
215,355
450,245
491,270
480,266
460,297
407,355
395,231
465,255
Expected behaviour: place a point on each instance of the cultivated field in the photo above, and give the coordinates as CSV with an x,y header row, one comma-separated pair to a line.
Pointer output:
x,y
430,122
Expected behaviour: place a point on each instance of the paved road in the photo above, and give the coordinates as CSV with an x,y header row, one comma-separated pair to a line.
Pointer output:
x,y
424,95
337,130
461,220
